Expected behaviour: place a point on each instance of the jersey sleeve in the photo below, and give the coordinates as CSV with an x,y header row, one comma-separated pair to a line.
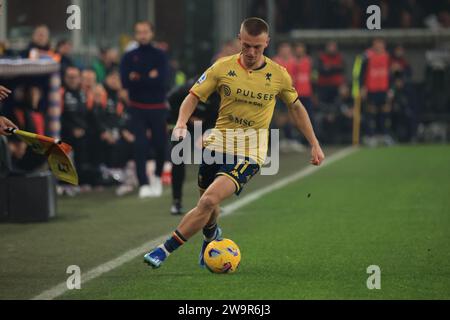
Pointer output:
x,y
287,94
206,84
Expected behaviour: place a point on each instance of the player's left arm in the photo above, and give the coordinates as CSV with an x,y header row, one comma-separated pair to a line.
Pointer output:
x,y
301,120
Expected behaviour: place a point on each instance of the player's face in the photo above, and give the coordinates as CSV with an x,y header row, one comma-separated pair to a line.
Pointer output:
x,y
252,47
143,33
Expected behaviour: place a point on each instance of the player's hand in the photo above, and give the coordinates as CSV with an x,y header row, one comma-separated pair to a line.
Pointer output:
x,y
4,92
317,155
179,132
5,123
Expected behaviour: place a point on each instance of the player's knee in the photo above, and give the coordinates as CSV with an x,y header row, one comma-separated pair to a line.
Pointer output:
x,y
208,203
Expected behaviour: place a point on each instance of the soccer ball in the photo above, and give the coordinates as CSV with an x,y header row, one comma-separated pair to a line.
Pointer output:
x,y
222,256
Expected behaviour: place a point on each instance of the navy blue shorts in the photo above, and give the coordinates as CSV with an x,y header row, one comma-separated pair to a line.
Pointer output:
x,y
240,171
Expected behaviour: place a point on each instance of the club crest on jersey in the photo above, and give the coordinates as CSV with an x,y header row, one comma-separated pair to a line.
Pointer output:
x,y
226,90
202,78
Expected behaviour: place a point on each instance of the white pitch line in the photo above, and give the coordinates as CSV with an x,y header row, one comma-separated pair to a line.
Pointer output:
x,y
61,288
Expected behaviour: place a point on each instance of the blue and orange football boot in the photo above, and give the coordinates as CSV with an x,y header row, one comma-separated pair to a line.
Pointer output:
x,y
156,257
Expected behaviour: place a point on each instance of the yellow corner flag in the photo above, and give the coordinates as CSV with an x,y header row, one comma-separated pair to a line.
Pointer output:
x,y
57,153
356,93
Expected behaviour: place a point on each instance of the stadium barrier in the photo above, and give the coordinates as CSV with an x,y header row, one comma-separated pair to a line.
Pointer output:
x,y
39,190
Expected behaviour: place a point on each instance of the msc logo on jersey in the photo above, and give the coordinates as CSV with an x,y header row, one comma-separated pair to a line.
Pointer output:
x,y
232,73
241,121
202,78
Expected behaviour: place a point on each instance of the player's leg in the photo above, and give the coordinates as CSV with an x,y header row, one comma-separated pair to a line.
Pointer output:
x,y
140,145
157,121
210,228
197,218
222,188
178,177
211,231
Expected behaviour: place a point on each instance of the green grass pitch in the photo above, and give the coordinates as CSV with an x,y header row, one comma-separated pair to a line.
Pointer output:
x,y
388,207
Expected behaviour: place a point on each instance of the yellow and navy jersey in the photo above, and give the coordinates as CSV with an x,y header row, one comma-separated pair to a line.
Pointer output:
x,y
247,102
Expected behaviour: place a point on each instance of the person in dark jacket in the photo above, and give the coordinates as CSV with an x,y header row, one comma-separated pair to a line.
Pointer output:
x,y
74,123
110,121
26,114
144,74
39,47
64,49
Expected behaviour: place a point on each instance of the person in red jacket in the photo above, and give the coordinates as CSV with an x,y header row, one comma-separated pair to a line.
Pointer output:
x,y
331,67
375,87
285,57
302,73
302,77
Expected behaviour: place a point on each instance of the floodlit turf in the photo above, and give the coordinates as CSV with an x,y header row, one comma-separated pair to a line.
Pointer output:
x,y
93,228
385,207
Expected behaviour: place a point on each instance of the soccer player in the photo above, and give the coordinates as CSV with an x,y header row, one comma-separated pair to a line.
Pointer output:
x,y
248,83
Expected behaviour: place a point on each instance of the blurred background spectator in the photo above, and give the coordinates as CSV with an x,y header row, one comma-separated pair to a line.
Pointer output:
x,y
331,67
64,49
107,61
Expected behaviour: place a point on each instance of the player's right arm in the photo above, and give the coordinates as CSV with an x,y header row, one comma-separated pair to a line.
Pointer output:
x,y
186,110
300,117
200,91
